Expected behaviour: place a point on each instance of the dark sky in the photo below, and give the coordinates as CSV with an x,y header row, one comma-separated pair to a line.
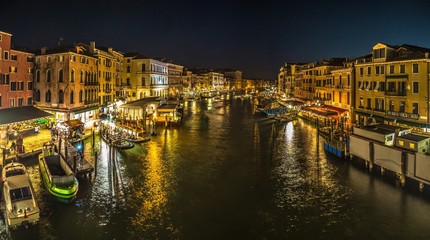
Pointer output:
x,y
256,37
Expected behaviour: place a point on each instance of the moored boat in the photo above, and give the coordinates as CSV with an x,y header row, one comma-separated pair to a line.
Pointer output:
x,y
117,141
58,177
21,207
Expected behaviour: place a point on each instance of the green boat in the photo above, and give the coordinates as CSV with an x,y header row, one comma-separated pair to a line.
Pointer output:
x,y
58,177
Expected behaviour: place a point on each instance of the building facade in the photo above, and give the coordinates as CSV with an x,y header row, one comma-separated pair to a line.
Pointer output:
x,y
392,86
66,82
144,77
16,74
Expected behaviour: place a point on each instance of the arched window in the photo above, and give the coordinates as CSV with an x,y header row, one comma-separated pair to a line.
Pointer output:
x,y
37,75
82,76
60,75
48,75
72,76
72,97
48,96
81,97
37,96
60,96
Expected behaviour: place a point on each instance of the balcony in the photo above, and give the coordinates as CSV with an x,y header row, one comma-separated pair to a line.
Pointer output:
x,y
401,93
91,102
403,115
87,83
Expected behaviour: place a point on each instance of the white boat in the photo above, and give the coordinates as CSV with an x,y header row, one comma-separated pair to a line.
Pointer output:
x,y
21,207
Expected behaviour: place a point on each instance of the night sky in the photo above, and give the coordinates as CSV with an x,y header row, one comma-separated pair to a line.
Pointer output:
x,y
254,37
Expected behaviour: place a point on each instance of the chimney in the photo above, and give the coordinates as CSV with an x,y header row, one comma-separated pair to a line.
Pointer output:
x,y
92,47
43,50
426,55
110,50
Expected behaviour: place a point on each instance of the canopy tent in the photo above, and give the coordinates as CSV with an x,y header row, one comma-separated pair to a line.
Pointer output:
x,y
20,114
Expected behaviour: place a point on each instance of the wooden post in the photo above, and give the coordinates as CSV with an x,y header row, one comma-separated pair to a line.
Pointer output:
x,y
66,152
74,164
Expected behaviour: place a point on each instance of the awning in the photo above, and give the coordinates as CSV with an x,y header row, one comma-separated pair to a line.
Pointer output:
x,y
20,114
74,122
85,109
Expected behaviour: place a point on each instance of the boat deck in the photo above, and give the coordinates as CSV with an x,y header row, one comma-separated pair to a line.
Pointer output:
x,y
83,166
54,166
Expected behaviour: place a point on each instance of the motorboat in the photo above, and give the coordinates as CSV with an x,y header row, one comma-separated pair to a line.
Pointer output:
x,y
21,207
57,175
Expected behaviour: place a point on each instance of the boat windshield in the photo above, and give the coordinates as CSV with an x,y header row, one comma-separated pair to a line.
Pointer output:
x,y
14,172
18,194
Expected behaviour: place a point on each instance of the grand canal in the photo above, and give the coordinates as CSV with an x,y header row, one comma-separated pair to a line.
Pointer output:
x,y
227,173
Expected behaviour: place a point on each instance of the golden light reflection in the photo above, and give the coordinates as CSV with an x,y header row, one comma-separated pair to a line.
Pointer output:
x,y
154,196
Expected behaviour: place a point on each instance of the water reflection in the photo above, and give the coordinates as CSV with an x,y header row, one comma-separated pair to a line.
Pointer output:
x,y
228,173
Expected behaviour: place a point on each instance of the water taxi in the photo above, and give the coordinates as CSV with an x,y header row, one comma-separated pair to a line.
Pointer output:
x,y
58,177
21,207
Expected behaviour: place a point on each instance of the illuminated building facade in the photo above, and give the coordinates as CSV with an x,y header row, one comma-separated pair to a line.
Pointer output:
x,y
16,74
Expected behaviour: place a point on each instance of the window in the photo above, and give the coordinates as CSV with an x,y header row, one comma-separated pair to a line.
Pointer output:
x,y
38,60
379,104
6,55
415,87
29,101
13,57
402,68
391,87
81,96
72,97
37,96
377,70
20,102
60,58
415,108
369,70
379,53
415,68
37,75
20,86
30,86
48,96
0,97
143,81
60,75
82,77
391,69
391,105
361,102
72,76
128,69
402,106
12,102
48,75
49,59
382,86
412,145
143,67
369,103
401,143
60,96
29,59
13,86
13,69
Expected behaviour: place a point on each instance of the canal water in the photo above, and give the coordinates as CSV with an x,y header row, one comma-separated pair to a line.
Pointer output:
x,y
228,173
